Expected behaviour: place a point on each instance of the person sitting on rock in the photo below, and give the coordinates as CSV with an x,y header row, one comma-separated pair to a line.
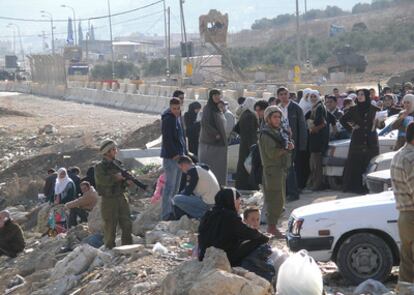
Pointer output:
x,y
65,190
81,206
199,191
251,217
222,227
11,236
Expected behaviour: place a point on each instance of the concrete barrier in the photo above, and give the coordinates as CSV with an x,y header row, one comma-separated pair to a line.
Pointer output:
x,y
131,88
247,93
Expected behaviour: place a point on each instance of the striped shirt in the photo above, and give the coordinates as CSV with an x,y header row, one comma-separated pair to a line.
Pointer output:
x,y
402,178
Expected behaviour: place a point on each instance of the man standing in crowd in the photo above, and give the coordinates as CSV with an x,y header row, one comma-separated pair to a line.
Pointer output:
x,y
173,146
111,185
199,192
49,187
11,236
296,119
339,99
260,107
402,177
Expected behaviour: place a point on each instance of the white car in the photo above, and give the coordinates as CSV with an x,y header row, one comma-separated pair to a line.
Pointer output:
x,y
359,234
337,153
378,175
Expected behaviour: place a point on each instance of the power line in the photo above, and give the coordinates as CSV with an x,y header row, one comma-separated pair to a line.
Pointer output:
x,y
137,19
81,19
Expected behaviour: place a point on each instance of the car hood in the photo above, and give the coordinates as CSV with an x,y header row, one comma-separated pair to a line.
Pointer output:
x,y
384,157
336,206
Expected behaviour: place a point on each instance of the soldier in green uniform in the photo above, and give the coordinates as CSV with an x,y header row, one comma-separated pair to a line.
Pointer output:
x,y
111,185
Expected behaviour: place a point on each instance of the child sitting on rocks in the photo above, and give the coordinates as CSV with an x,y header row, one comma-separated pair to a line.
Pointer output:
x,y
251,217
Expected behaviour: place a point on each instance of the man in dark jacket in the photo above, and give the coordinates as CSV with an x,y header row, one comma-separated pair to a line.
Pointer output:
x,y
11,236
173,146
73,174
299,134
49,187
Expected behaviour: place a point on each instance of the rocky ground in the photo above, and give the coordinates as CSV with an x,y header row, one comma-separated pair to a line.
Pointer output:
x,y
38,133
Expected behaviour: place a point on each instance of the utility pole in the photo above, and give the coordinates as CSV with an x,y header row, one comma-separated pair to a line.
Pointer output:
x,y
169,43
166,39
298,59
20,40
306,32
183,28
112,45
51,27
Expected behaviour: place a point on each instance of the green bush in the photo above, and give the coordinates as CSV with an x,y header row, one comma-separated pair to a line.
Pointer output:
x,y
122,70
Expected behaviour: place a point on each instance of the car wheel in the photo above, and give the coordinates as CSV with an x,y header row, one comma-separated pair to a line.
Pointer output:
x,y
364,256
335,182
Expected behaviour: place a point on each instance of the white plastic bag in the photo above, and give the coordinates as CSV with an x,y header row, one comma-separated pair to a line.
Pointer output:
x,y
299,275
248,163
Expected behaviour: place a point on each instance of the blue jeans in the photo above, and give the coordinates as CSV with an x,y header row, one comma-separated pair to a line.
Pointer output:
x,y
172,184
192,205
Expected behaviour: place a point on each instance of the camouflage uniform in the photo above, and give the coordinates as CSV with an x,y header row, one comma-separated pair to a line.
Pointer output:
x,y
115,205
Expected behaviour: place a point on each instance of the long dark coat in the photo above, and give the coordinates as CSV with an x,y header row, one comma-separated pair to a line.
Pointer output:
x,y
247,129
364,146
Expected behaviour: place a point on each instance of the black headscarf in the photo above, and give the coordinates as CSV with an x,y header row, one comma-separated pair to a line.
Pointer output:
x,y
191,116
363,107
211,103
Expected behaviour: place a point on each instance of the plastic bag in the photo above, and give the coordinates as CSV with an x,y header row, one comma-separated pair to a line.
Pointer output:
x,y
299,275
248,163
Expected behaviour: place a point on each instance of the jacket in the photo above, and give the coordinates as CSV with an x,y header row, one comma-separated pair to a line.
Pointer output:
x,y
49,187
87,201
106,184
201,181
318,141
364,134
11,239
172,136
213,127
402,178
297,124
272,151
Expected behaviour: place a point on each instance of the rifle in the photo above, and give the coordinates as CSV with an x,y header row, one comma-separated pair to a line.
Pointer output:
x,y
129,176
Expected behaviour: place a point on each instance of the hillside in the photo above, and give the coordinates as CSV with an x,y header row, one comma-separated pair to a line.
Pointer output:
x,y
388,43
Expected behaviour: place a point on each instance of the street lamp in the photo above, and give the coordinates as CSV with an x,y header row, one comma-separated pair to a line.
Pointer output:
x,y
112,45
74,21
44,13
20,40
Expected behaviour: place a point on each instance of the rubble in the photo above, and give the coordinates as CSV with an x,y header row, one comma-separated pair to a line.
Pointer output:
x,y
213,275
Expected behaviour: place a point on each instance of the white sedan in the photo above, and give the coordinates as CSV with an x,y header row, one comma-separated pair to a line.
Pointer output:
x,y
359,234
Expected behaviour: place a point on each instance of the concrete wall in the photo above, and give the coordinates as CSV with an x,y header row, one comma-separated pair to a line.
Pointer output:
x,y
154,104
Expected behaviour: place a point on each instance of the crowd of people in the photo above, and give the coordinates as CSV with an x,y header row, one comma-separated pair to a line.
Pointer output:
x,y
281,140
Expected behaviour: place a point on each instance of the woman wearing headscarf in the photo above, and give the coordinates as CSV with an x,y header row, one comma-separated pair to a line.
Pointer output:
x,y
360,121
318,127
222,227
192,126
64,188
305,103
405,117
247,130
212,148
276,160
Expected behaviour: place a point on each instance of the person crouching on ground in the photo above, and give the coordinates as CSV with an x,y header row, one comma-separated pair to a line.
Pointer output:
x,y
276,160
199,192
11,236
83,205
222,227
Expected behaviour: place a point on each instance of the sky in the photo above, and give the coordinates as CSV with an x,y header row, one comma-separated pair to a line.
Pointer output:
x,y
242,14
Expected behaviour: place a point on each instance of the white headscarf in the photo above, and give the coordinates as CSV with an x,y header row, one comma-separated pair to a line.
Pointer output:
x,y
61,183
305,103
318,96
410,98
249,104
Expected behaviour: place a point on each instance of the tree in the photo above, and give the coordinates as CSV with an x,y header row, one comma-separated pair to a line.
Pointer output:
x,y
122,70
80,34
92,34
69,39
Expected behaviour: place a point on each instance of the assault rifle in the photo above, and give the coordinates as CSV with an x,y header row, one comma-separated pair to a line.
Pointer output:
x,y
129,176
